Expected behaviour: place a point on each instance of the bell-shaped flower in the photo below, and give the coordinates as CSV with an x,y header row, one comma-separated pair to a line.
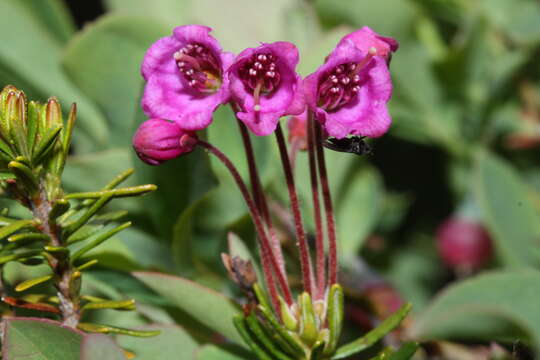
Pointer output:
x,y
350,91
185,75
158,140
265,86
366,39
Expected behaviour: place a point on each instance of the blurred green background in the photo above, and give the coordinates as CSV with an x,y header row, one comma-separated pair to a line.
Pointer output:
x,y
464,140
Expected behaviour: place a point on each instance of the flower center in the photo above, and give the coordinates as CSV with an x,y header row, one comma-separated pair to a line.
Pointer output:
x,y
198,65
260,74
342,84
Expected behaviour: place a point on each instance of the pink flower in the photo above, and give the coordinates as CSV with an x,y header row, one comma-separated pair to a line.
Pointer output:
x,y
157,141
265,85
350,91
365,39
185,77
463,244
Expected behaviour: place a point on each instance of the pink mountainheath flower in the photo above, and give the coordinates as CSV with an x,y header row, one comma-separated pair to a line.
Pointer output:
x,y
365,39
350,91
265,85
185,75
158,140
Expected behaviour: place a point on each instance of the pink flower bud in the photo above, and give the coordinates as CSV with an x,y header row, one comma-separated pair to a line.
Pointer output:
x,y
298,130
463,244
157,141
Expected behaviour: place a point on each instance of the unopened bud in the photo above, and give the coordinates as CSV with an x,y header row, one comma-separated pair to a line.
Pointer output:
x,y
53,113
157,141
463,244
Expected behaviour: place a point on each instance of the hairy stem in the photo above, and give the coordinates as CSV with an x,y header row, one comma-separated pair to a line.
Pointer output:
x,y
305,261
269,261
63,270
319,236
327,199
259,197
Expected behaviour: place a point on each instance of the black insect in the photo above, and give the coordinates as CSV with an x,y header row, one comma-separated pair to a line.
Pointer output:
x,y
353,144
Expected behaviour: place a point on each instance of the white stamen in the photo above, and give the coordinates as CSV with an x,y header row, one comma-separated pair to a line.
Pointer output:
x,y
177,55
372,51
270,74
252,72
257,108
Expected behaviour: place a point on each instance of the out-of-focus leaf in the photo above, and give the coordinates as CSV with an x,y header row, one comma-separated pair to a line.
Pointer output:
x,y
172,342
54,15
38,63
212,352
39,339
387,17
357,212
171,12
507,210
209,307
519,19
405,352
100,347
104,61
247,23
487,307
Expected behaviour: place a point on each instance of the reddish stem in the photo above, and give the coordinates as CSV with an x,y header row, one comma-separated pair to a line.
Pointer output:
x,y
258,195
305,261
319,236
268,259
330,224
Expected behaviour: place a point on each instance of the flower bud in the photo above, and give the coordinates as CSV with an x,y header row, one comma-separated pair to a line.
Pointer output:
x,y
298,130
463,244
157,141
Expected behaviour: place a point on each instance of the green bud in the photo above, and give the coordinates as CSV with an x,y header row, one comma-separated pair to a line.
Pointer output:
x,y
308,321
335,317
287,316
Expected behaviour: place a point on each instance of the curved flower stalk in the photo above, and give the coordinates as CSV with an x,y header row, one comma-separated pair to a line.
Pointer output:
x,y
346,96
63,228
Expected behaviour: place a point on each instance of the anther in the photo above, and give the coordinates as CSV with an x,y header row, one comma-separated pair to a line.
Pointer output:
x,y
257,107
270,74
252,72
372,51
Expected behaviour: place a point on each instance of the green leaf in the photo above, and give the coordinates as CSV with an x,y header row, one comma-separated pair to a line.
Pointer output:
x,y
171,12
40,339
397,22
507,210
405,352
357,212
492,306
212,352
374,335
14,227
169,344
18,57
104,61
100,347
54,15
209,307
